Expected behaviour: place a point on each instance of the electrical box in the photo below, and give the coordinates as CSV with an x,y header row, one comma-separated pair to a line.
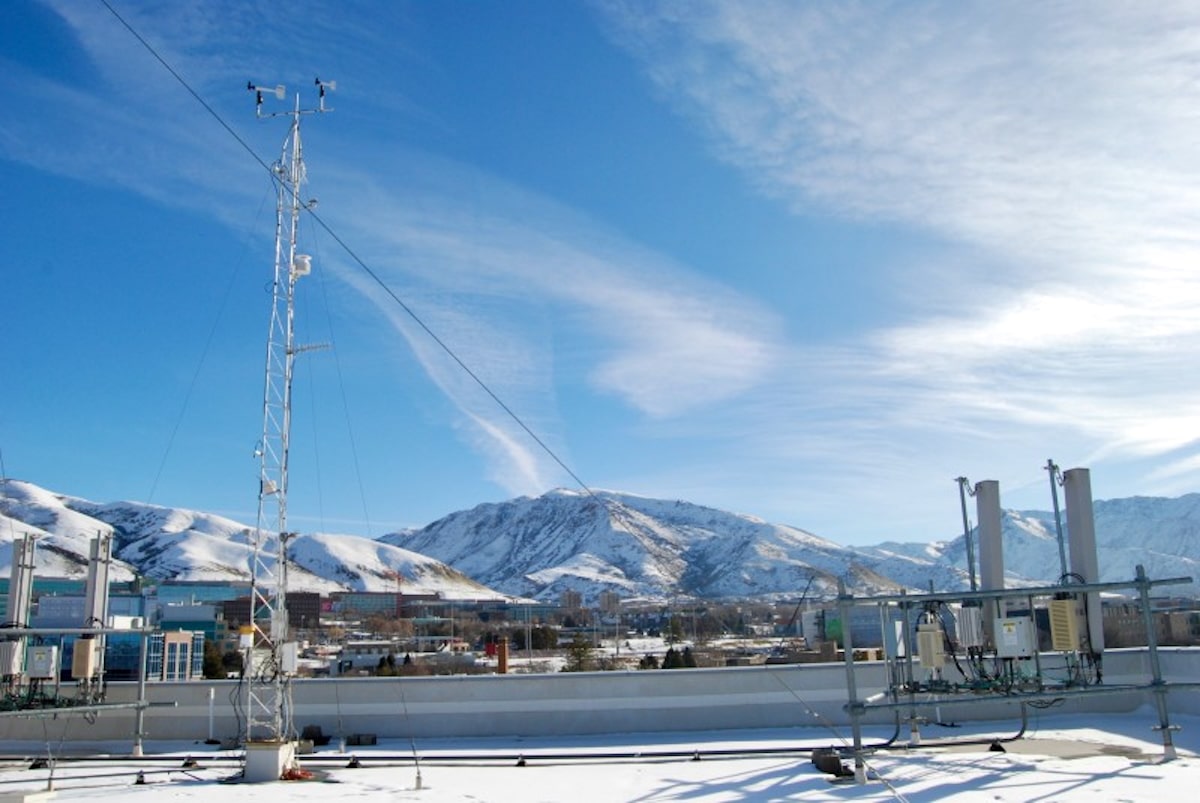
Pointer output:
x,y
262,662
931,645
11,658
1016,637
289,657
1066,624
970,626
83,660
43,662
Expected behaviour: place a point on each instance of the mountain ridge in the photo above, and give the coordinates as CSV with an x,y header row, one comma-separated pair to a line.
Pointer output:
x,y
164,543
591,542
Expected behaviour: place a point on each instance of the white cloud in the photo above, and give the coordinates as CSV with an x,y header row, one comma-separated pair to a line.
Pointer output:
x,y
504,277
1054,155
661,339
1061,147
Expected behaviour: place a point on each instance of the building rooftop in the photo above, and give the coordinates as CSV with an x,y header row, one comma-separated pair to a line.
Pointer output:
x,y
1062,758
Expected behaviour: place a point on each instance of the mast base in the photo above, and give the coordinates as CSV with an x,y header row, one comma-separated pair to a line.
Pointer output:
x,y
267,761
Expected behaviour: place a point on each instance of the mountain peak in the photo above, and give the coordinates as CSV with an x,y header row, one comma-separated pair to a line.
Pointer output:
x,y
590,542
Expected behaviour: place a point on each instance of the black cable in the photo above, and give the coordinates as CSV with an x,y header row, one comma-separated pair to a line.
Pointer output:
x,y
337,364
187,396
350,252
942,612
188,88
1090,655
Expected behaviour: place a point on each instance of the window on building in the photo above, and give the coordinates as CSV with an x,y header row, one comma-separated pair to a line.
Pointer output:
x,y
154,657
197,668
172,672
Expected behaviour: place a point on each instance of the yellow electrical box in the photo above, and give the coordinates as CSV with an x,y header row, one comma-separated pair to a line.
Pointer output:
x,y
1065,618
83,660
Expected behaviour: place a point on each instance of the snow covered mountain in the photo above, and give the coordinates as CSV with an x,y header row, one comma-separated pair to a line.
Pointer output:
x,y
170,543
591,542
638,547
641,547
1161,534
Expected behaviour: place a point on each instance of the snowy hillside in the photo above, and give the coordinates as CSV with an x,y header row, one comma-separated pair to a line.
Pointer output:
x,y
1161,534
640,547
62,534
568,540
170,543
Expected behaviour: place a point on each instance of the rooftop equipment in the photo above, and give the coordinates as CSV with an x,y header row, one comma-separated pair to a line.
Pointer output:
x,y
991,550
1081,535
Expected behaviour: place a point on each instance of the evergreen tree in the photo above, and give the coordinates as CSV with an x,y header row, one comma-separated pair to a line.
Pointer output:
x,y
232,661
540,637
544,637
648,662
689,660
672,659
579,654
214,668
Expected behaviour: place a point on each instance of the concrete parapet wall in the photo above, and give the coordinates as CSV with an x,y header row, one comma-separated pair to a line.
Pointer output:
x,y
565,703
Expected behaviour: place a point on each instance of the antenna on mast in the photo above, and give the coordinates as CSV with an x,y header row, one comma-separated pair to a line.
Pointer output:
x,y
964,488
270,657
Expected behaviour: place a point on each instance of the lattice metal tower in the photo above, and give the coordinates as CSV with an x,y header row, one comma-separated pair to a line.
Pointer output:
x,y
270,656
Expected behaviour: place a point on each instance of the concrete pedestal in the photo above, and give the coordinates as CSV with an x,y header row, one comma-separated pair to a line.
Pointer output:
x,y
266,761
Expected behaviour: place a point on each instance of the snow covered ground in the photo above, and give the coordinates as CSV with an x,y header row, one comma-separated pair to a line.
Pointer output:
x,y
1060,758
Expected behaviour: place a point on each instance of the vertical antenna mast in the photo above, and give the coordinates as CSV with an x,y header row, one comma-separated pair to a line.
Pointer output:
x,y
270,658
964,488
1055,481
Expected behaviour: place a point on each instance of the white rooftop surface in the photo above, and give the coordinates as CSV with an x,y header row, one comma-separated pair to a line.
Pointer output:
x,y
1060,758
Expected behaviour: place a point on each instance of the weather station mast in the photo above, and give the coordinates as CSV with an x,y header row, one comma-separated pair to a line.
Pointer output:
x,y
269,657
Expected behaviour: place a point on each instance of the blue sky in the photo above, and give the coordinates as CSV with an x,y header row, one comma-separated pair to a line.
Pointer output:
x,y
804,261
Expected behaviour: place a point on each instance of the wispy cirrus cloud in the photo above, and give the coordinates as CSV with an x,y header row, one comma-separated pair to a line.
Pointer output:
x,y
505,278
1050,158
525,292
1057,148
